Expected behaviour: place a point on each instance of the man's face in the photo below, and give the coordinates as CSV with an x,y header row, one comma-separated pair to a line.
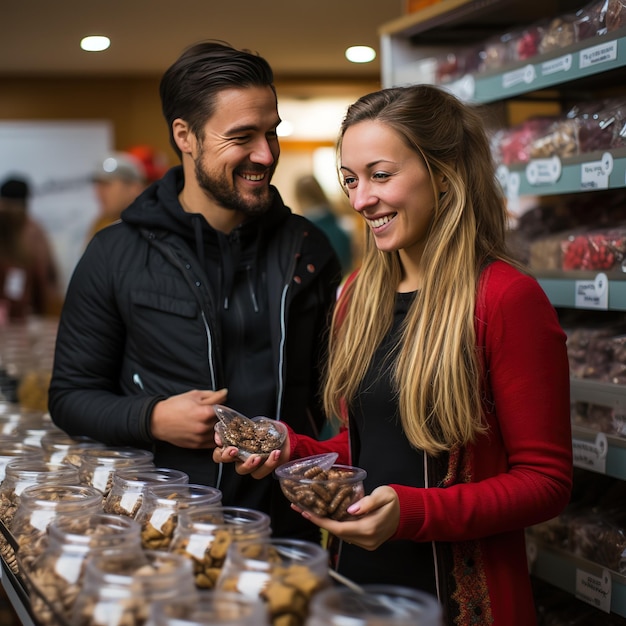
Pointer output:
x,y
238,152
115,194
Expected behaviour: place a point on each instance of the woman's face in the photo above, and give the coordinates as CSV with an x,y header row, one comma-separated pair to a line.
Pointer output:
x,y
389,185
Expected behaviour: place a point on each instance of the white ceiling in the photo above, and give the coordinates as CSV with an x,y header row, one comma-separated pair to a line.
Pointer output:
x,y
300,38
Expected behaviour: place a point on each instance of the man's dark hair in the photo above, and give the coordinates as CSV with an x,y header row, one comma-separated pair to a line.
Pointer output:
x,y
189,87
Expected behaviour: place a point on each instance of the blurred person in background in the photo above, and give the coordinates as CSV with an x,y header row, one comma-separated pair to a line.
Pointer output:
x,y
29,276
118,179
317,207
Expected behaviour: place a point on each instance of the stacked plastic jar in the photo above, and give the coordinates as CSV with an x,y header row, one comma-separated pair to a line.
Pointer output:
x,y
161,507
118,589
56,576
12,447
218,608
284,573
20,474
97,466
126,493
59,447
39,505
204,534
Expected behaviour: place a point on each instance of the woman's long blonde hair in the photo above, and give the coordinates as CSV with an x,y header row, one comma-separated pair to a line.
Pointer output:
x,y
437,372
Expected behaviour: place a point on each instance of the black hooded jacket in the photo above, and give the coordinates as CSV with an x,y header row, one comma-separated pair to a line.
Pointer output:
x,y
161,303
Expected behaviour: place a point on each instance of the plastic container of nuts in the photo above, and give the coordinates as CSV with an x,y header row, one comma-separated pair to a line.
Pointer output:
x,y
316,484
258,435
217,608
161,506
204,534
55,577
284,573
129,485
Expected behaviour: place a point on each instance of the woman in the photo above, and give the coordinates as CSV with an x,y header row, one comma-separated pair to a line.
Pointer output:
x,y
449,364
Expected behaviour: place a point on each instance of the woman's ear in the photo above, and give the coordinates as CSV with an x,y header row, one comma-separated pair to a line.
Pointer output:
x,y
183,136
442,183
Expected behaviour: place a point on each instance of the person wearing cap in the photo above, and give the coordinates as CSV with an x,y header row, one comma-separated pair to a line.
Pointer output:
x,y
209,290
29,275
119,178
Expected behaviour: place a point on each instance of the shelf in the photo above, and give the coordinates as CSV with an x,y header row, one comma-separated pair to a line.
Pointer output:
x,y
593,171
590,57
579,290
410,44
595,451
578,577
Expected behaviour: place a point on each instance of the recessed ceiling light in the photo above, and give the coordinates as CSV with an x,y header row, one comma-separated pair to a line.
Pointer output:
x,y
360,54
95,43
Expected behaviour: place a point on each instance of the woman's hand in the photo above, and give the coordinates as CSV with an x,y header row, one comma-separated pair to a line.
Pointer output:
x,y
254,464
377,519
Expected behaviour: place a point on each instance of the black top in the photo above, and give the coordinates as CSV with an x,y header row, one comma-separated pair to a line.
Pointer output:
x,y
381,448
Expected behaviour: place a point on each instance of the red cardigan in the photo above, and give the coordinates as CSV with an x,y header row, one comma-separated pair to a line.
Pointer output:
x,y
480,499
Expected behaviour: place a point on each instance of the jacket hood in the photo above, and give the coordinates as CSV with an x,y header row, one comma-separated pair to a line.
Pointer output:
x,y
158,208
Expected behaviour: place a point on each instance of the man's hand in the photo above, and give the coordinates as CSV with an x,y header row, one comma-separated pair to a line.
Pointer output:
x,y
188,419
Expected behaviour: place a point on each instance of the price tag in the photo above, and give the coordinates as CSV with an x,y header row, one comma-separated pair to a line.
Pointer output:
x,y
543,171
594,590
591,455
554,66
523,75
596,55
595,174
592,294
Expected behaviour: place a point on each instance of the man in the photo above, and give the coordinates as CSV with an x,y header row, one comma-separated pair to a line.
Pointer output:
x,y
118,179
208,291
29,274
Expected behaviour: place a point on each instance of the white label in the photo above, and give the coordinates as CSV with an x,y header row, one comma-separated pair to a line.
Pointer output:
x,y
543,171
554,66
523,75
596,55
593,294
160,517
594,590
591,455
68,568
595,174
129,501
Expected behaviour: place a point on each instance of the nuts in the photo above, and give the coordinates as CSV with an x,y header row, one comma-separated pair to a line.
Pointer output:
x,y
259,435
324,492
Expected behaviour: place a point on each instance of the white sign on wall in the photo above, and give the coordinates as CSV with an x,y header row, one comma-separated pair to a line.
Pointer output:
x,y
57,158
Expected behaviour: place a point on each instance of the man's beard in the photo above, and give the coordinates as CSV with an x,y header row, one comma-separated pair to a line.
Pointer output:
x,y
223,191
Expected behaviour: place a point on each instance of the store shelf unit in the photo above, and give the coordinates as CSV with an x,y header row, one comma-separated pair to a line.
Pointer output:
x,y
407,45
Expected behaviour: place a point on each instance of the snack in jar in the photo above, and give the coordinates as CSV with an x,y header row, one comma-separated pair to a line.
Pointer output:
x,y
21,473
204,534
59,447
161,506
217,608
97,466
375,605
284,573
129,485
317,485
55,577
118,589
39,505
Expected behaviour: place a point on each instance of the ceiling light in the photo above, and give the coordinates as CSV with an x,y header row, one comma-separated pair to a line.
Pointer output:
x,y
360,54
95,43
